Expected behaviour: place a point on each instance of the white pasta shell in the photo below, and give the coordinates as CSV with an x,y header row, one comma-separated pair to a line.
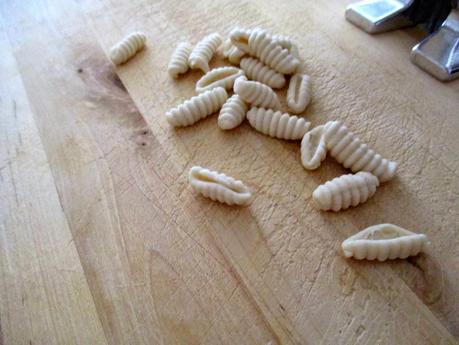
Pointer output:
x,y
203,52
345,191
384,241
219,187
313,148
127,48
221,76
232,113
232,53
197,107
270,53
240,39
299,93
178,63
277,124
256,93
257,70
355,155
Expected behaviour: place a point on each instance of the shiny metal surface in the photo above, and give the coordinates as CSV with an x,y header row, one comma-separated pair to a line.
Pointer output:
x,y
374,16
438,54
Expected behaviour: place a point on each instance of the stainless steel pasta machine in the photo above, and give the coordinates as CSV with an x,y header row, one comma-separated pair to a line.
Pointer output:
x,y
438,53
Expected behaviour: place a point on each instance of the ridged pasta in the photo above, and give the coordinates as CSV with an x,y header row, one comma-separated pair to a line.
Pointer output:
x,y
257,70
178,63
270,53
277,124
203,52
345,191
232,53
384,241
348,150
299,93
284,41
313,148
197,107
218,186
221,76
240,39
127,47
256,93
232,114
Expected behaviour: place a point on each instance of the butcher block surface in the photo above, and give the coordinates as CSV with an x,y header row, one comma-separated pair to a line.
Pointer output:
x,y
103,241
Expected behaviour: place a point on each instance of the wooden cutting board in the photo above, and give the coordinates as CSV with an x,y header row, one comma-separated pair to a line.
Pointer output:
x,y
103,241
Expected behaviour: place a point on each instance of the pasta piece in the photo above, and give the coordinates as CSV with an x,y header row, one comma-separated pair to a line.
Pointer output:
x,y
232,53
240,39
219,187
204,51
197,107
313,148
257,70
384,241
262,46
127,47
256,93
179,60
355,155
276,124
345,191
221,76
233,113
284,41
299,93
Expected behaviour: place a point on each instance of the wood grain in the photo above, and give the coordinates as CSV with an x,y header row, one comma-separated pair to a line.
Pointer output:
x,y
166,266
44,295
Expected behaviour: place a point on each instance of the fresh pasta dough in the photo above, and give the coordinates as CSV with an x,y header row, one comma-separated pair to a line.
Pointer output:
x,y
384,241
257,70
178,63
127,47
232,113
284,41
219,187
203,52
256,94
299,93
345,191
348,150
313,148
240,39
270,53
276,124
232,53
197,107
221,76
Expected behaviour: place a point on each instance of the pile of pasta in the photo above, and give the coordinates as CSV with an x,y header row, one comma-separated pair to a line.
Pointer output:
x,y
267,62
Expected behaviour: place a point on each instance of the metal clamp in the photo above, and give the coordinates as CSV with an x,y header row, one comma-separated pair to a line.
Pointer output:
x,y
438,54
374,16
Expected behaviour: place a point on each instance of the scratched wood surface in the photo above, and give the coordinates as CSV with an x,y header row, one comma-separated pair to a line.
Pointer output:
x,y
103,241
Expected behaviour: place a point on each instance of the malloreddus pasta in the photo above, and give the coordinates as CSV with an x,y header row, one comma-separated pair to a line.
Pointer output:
x,y
178,63
218,186
197,107
203,52
127,47
382,242
277,124
232,113
258,71
256,93
221,76
265,60
345,191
